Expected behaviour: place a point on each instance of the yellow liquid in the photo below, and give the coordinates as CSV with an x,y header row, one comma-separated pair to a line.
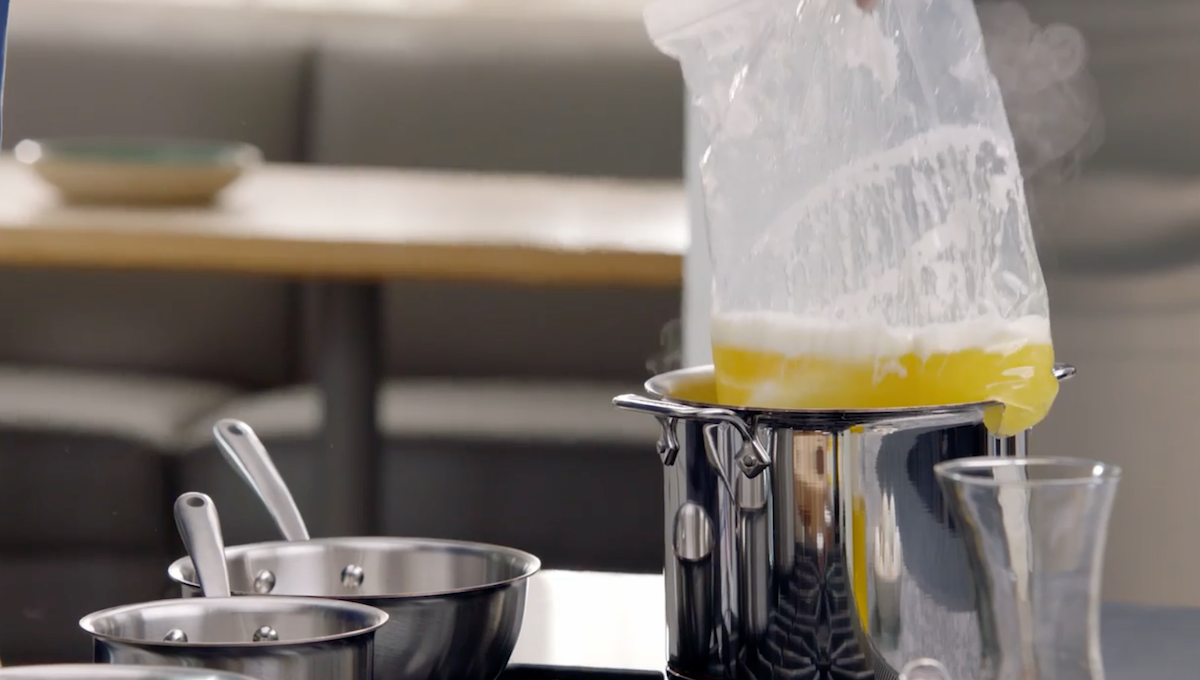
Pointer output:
x,y
1021,377
858,530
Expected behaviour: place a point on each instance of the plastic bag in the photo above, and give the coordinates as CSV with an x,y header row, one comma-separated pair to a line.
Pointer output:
x,y
868,228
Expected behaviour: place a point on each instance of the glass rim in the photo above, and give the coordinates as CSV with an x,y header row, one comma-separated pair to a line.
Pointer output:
x,y
1099,472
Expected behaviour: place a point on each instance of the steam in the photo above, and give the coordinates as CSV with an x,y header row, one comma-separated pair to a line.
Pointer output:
x,y
670,355
1049,95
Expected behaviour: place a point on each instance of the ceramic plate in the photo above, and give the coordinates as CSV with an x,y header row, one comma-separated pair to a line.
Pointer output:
x,y
139,172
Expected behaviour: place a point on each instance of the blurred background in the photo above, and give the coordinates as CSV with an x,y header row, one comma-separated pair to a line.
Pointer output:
x,y
110,380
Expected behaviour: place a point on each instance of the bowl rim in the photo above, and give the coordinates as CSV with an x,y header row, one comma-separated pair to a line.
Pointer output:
x,y
224,153
531,563
105,671
375,616
1092,472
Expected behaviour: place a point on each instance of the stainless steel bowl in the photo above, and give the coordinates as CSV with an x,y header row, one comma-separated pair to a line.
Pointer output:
x,y
268,638
83,671
455,608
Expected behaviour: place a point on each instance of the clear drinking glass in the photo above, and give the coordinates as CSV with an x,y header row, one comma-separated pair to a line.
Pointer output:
x,y
925,669
1034,530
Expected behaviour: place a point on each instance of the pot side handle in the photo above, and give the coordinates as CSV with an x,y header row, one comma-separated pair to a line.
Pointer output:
x,y
1064,372
755,458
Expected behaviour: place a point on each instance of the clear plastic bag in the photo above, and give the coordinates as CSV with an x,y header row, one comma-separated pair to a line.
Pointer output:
x,y
870,239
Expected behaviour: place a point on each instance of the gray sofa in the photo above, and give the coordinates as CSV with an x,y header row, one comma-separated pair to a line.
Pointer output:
x,y
110,380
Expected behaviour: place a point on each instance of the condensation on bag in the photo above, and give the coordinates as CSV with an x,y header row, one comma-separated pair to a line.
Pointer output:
x,y
868,227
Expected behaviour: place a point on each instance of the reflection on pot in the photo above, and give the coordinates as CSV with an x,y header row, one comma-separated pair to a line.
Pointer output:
x,y
812,544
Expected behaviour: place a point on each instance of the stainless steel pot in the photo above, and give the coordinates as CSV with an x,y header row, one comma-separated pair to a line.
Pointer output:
x,y
85,671
268,638
455,608
812,544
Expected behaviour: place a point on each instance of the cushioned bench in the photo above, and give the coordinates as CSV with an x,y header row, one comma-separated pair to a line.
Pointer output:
x,y
86,497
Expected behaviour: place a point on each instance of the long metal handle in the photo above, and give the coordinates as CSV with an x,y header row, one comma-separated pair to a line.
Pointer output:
x,y
200,528
655,407
246,453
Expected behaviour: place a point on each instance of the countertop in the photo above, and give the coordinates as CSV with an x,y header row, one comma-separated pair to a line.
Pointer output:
x,y
610,620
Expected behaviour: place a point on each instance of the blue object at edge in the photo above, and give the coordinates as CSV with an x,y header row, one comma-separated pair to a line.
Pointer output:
x,y
3,57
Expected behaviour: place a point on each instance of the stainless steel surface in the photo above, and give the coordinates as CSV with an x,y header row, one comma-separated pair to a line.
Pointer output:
x,y
753,459
456,608
110,672
269,638
200,528
242,448
317,639
836,560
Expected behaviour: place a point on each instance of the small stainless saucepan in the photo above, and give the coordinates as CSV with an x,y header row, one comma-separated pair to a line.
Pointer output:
x,y
268,638
85,671
456,608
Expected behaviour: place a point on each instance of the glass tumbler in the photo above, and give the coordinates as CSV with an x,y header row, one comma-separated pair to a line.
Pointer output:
x,y
1034,530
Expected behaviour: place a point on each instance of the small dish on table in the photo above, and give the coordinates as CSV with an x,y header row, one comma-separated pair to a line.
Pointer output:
x,y
161,172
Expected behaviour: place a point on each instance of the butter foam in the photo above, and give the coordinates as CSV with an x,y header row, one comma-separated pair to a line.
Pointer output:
x,y
793,336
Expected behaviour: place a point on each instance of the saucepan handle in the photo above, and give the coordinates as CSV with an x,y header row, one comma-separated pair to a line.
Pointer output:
x,y
246,453
755,458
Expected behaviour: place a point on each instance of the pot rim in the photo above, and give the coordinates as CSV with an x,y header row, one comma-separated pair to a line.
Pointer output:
x,y
375,616
103,671
531,564
663,385
1092,472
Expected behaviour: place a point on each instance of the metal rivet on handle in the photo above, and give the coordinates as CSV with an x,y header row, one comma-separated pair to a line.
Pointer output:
x,y
752,459
175,635
264,582
749,465
265,634
352,576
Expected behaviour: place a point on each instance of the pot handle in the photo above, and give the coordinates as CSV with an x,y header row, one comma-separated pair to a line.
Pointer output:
x,y
1064,372
754,457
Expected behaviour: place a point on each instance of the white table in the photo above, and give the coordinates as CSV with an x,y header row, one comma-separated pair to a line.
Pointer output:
x,y
594,620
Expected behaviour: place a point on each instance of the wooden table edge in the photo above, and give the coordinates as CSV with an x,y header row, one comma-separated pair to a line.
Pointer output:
x,y
349,261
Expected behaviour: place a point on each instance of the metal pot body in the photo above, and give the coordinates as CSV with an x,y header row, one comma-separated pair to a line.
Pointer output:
x,y
267,638
812,544
455,608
